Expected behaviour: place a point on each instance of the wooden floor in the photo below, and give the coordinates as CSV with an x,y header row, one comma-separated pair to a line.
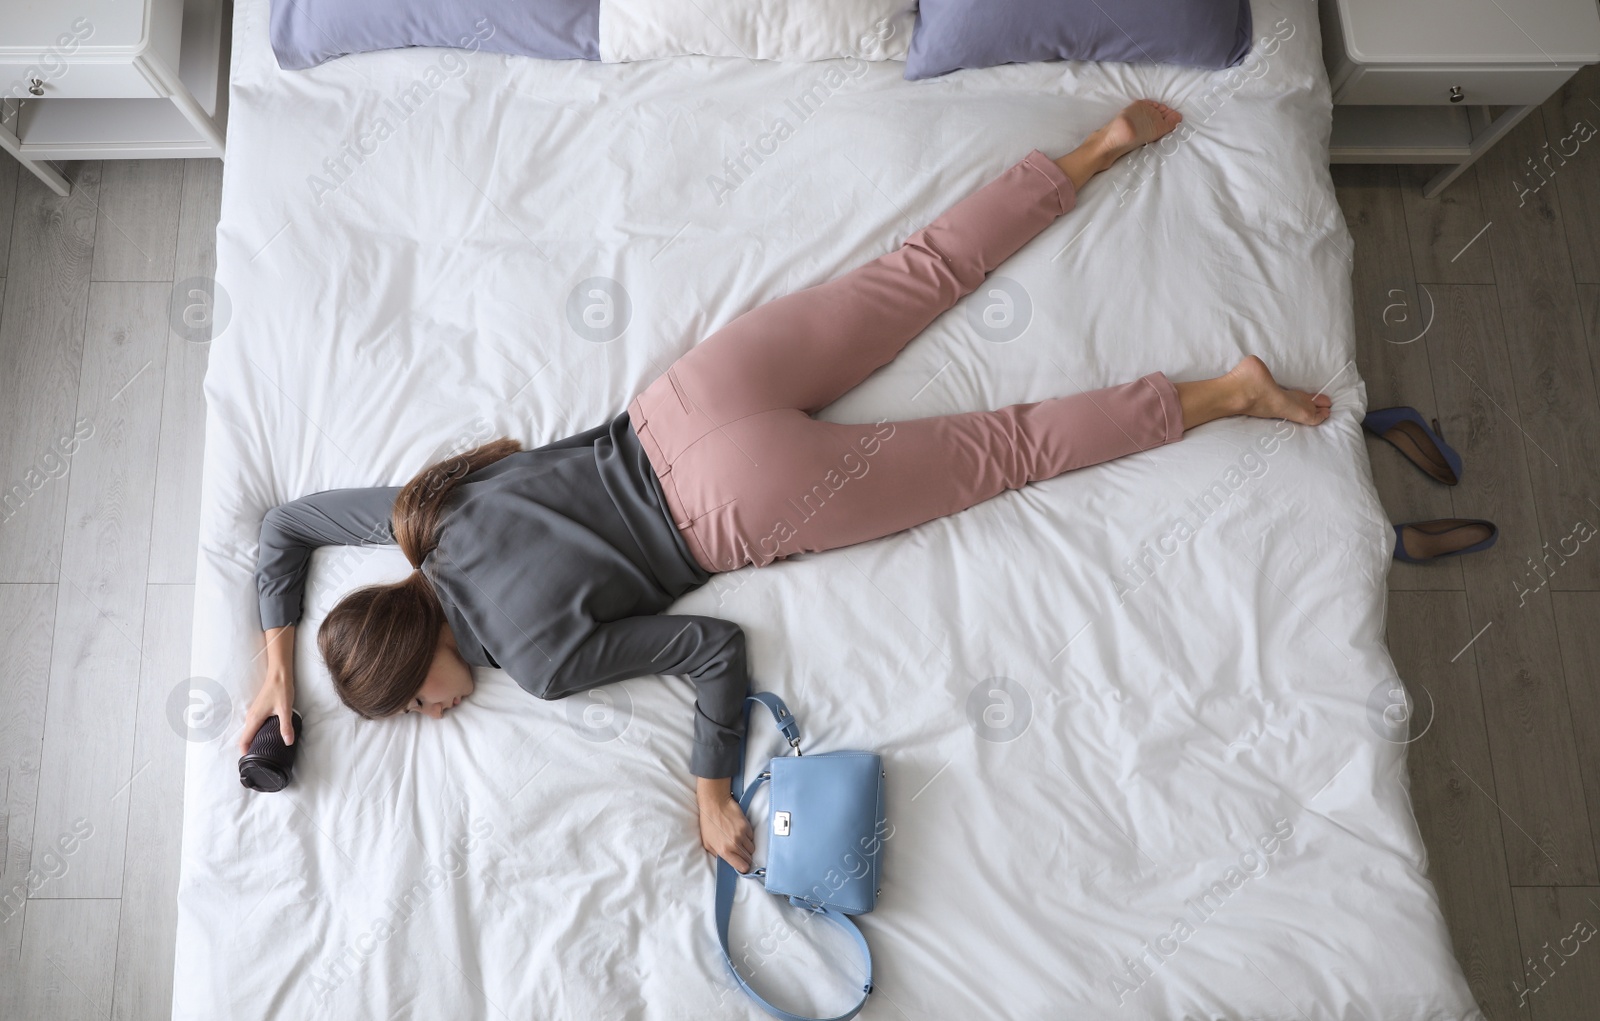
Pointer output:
x,y
101,430
1481,307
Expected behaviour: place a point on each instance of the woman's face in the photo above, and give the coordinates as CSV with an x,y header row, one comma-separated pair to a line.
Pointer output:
x,y
449,680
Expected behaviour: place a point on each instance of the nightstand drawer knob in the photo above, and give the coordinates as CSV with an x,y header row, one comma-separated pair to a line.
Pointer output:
x,y
35,87
1456,94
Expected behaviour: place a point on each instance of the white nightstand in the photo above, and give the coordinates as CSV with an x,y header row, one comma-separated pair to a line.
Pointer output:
x,y
1413,79
111,79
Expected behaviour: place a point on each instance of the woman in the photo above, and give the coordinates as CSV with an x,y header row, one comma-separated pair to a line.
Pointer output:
x,y
555,564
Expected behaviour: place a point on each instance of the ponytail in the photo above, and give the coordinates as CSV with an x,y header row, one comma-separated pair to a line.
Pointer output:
x,y
379,641
420,505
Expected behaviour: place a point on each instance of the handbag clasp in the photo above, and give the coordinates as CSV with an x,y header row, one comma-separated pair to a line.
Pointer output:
x,y
794,742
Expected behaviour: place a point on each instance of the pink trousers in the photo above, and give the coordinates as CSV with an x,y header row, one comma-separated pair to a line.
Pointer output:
x,y
750,477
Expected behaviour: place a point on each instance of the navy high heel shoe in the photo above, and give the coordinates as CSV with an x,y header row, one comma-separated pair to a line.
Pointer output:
x,y
1405,430
1418,542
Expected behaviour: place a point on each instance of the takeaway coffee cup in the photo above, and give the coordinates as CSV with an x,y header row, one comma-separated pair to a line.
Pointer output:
x,y
269,764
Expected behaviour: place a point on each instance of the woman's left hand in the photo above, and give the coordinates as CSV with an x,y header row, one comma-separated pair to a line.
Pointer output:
x,y
725,830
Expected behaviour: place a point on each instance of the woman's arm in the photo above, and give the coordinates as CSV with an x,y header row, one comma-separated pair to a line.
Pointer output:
x,y
711,653
289,534
276,697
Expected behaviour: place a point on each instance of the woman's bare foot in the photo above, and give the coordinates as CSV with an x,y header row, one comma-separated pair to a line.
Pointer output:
x,y
1248,389
1140,123
1260,396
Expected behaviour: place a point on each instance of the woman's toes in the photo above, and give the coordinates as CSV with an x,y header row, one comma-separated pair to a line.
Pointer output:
x,y
1315,408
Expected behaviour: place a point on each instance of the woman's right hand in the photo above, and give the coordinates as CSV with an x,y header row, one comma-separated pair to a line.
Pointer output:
x,y
276,697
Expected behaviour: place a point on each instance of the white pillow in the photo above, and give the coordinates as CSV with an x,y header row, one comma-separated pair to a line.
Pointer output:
x,y
792,30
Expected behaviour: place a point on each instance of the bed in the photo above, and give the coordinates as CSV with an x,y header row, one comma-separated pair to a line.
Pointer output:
x,y
1136,769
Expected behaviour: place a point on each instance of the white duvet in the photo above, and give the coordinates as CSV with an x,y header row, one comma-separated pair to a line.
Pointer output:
x,y
1137,720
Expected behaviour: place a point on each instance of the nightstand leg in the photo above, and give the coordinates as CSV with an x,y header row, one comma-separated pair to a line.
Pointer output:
x,y
1497,129
42,170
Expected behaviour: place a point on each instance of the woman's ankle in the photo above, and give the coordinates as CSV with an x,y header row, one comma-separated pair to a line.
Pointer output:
x,y
1207,400
1086,160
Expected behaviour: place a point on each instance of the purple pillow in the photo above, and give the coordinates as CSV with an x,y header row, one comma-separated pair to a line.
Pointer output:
x,y
307,32
952,34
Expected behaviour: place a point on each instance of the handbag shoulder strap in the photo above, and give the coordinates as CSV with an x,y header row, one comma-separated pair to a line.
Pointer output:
x,y
781,717
727,879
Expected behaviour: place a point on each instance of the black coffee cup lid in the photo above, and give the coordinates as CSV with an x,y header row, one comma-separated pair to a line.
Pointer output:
x,y
260,775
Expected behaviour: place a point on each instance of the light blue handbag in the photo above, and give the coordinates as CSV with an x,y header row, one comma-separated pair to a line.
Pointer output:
x,y
826,823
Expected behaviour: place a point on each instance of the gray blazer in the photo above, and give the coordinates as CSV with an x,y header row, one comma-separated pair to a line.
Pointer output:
x,y
553,564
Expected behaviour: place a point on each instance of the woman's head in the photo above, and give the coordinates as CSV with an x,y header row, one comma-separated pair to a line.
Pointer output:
x,y
388,646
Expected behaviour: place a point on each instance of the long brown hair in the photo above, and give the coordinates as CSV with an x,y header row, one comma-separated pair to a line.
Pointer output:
x,y
379,641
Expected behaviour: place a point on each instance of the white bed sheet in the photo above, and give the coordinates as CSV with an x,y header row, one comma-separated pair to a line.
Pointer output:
x,y
507,864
